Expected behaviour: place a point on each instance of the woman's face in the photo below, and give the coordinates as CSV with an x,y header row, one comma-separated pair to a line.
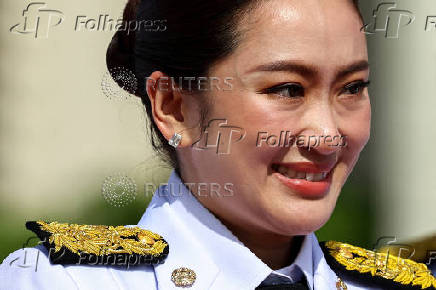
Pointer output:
x,y
299,72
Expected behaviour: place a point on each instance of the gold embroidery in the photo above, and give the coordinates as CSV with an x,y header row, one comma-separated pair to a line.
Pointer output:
x,y
103,240
400,270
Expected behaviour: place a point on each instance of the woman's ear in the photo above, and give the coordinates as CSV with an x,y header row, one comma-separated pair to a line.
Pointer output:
x,y
170,109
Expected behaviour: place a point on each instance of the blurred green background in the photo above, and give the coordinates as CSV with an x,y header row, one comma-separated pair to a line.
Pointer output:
x,y
61,136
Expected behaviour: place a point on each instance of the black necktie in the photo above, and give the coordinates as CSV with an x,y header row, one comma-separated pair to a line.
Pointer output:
x,y
276,282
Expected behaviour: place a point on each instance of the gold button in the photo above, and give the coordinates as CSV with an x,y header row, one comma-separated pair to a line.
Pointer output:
x,y
145,239
183,277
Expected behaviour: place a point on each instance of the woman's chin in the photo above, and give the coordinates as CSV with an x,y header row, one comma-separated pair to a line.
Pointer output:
x,y
309,219
306,227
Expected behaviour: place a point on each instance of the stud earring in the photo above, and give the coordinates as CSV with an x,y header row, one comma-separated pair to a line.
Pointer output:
x,y
175,140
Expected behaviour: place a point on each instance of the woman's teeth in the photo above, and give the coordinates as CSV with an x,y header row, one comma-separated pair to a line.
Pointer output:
x,y
301,175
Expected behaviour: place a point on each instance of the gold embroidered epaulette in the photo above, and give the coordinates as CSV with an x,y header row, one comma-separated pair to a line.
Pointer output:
x,y
383,265
99,244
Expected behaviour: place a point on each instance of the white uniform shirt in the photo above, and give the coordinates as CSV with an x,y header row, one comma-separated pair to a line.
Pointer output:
x,y
197,240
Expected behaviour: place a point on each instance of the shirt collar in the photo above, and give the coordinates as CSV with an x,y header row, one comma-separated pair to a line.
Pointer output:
x,y
302,264
304,259
191,229
199,241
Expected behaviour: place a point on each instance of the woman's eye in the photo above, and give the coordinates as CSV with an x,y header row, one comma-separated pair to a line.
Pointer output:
x,y
355,88
288,90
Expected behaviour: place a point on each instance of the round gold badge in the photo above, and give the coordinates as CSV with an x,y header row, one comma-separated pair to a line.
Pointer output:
x,y
183,277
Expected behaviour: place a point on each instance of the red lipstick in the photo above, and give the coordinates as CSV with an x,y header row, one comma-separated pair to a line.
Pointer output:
x,y
311,180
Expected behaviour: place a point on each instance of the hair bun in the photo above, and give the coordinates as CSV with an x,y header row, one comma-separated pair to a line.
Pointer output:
x,y
120,53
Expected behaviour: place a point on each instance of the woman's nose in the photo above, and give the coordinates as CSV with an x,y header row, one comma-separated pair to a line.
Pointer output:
x,y
321,130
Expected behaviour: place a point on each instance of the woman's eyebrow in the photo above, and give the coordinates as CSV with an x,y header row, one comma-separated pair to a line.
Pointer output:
x,y
346,70
309,71
287,66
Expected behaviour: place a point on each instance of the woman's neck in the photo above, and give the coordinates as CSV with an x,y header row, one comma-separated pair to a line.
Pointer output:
x,y
277,251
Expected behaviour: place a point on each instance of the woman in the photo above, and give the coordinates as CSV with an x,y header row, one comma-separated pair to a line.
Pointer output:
x,y
221,81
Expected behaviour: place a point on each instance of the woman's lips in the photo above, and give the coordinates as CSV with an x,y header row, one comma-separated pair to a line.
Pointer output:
x,y
307,179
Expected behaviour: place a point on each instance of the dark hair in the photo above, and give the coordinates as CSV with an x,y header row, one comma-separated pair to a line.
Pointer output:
x,y
179,38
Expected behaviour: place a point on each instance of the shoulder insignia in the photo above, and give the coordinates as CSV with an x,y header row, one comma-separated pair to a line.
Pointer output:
x,y
99,244
401,271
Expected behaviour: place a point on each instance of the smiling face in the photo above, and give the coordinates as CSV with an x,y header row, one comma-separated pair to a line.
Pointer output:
x,y
300,67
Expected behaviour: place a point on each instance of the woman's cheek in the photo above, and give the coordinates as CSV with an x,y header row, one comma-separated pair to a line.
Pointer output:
x,y
356,127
